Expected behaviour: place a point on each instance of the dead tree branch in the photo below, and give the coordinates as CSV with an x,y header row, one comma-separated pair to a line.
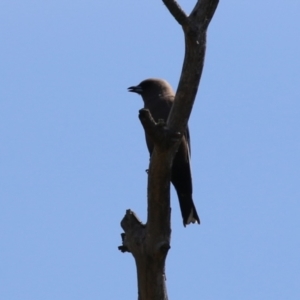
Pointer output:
x,y
149,243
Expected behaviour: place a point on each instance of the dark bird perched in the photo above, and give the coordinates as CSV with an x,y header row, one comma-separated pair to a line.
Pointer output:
x,y
158,97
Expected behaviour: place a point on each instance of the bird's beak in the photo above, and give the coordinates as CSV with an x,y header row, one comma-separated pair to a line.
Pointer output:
x,y
135,89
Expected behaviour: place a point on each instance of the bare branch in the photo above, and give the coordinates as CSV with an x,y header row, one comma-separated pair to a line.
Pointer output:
x,y
149,244
176,11
204,11
158,132
134,232
195,46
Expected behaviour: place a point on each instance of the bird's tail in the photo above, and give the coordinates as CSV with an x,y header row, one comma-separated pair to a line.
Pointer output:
x,y
188,210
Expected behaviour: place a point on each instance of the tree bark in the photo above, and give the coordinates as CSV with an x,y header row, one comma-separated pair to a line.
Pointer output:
x,y
149,243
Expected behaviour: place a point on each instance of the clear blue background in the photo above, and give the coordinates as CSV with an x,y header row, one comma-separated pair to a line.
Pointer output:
x,y
73,156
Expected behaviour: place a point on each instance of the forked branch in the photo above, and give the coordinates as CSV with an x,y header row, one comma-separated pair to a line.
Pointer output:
x,y
149,243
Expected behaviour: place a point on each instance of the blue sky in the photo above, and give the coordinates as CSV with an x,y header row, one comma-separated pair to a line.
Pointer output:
x,y
73,155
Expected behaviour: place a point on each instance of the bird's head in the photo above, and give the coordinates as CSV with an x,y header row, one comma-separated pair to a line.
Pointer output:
x,y
152,87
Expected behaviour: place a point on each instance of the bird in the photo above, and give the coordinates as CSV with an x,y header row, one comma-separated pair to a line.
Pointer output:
x,y
158,97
